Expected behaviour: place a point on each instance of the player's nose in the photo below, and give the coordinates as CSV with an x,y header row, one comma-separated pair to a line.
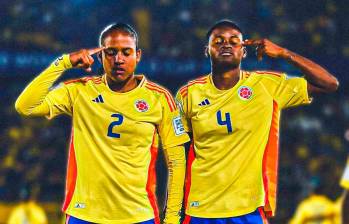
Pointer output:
x,y
118,58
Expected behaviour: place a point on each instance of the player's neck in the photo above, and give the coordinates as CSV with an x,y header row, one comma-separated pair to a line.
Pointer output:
x,y
122,87
225,79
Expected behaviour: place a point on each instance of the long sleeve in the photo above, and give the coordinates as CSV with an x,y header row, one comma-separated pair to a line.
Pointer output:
x,y
176,174
31,101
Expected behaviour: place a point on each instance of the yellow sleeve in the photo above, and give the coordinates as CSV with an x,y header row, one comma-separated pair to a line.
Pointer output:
x,y
171,129
175,157
345,178
182,104
286,91
36,98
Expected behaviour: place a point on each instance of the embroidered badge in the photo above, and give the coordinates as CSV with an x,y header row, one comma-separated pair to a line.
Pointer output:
x,y
245,92
141,106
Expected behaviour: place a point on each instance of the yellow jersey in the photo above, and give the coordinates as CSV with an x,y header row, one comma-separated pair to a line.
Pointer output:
x,y
114,143
232,164
316,209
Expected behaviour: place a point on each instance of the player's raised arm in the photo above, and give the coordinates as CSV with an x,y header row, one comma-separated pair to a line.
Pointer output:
x,y
319,79
31,101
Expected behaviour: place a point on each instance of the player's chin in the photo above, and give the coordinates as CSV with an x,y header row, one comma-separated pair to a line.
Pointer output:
x,y
225,58
228,62
119,77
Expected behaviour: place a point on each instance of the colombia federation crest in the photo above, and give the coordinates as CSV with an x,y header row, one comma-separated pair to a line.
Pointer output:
x,y
141,105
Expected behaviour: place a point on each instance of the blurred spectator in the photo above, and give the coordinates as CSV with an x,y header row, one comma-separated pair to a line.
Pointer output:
x,y
27,211
316,208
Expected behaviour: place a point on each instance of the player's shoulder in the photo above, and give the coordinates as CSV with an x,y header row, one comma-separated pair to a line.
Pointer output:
x,y
193,84
267,73
156,88
161,92
84,80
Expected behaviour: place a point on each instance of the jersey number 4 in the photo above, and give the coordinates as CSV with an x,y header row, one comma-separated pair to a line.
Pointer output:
x,y
226,122
118,122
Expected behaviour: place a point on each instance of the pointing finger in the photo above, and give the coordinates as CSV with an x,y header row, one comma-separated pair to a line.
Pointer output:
x,y
252,42
95,50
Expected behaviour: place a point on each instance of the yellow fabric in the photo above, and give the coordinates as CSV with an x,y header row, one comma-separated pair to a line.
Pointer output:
x,y
29,213
345,178
112,172
226,175
316,209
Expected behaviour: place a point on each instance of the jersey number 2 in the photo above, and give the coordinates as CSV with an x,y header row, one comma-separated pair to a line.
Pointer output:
x,y
226,122
115,123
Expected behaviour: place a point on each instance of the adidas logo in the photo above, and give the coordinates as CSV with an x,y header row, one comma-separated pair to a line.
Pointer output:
x,y
204,103
79,205
98,99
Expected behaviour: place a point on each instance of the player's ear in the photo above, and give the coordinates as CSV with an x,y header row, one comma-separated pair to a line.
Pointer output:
x,y
245,52
99,56
207,54
138,55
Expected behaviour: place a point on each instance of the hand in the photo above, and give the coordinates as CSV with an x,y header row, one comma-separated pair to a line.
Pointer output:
x,y
83,58
265,46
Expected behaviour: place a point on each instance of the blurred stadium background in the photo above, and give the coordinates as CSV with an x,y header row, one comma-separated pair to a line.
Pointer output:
x,y
314,139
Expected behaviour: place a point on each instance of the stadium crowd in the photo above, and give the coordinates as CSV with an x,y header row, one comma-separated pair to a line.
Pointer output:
x,y
314,139
313,26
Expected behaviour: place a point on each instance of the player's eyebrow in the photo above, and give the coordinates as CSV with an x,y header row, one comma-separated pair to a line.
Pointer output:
x,y
122,48
220,35
237,36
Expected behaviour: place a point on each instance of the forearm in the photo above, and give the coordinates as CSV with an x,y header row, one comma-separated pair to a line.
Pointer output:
x,y
314,73
31,101
176,176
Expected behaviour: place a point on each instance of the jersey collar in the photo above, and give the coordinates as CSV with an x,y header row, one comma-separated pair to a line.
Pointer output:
x,y
141,78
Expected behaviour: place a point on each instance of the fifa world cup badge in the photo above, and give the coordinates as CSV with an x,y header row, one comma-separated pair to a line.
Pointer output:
x,y
141,106
245,93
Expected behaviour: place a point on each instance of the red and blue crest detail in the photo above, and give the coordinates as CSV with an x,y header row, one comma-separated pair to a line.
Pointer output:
x,y
141,105
245,92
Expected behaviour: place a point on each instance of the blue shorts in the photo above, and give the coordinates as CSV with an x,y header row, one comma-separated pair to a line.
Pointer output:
x,y
72,220
256,217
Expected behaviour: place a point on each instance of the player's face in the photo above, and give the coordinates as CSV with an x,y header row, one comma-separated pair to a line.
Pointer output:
x,y
120,57
225,46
